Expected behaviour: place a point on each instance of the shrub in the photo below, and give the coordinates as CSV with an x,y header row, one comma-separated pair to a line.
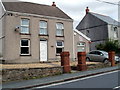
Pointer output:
x,y
109,45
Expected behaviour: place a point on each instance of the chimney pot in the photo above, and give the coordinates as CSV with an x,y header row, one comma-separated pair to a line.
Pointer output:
x,y
87,10
53,4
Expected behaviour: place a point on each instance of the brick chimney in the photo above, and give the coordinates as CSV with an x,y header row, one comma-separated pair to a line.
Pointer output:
x,y
87,10
53,4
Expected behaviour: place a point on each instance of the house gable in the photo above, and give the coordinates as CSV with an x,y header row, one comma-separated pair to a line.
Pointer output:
x,y
90,21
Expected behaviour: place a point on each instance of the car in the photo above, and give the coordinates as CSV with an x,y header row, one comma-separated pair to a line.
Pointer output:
x,y
100,56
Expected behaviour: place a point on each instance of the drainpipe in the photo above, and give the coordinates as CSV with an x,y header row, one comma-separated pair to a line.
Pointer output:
x,y
3,32
73,46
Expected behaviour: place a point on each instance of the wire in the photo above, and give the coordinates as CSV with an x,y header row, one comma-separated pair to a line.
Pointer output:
x,y
2,16
108,2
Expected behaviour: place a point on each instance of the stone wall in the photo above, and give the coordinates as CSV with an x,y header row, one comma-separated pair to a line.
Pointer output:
x,y
29,73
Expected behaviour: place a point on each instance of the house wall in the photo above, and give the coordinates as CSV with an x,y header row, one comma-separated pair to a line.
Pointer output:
x,y
111,32
119,33
78,38
12,39
96,35
94,28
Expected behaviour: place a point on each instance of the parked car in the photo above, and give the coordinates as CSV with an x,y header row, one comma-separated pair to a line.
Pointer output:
x,y
100,56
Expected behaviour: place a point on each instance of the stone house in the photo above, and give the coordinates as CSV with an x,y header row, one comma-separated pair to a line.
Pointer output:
x,y
99,28
32,32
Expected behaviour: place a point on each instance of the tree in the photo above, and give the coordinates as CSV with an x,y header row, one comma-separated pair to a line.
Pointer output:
x,y
109,45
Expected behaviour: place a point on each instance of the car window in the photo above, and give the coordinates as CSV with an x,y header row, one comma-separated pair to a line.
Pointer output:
x,y
93,52
98,53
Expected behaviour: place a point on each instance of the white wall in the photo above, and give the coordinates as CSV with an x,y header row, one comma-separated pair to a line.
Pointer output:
x,y
111,32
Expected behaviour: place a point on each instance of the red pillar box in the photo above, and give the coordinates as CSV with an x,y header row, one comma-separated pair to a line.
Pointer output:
x,y
112,58
65,62
81,61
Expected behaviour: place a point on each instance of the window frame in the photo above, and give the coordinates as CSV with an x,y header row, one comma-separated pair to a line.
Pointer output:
x,y
24,47
62,44
44,28
59,29
61,47
79,44
81,47
115,34
25,26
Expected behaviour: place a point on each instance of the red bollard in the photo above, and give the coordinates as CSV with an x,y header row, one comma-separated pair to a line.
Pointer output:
x,y
81,61
112,58
65,62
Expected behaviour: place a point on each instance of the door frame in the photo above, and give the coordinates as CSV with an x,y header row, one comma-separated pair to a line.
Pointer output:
x,y
46,48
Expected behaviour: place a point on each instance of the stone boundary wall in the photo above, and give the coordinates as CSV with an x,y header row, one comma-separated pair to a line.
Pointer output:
x,y
29,73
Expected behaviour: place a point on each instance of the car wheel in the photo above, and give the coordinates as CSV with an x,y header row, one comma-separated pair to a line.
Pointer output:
x,y
87,59
106,61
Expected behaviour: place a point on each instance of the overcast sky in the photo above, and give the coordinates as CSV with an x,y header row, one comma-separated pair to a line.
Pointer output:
x,y
76,8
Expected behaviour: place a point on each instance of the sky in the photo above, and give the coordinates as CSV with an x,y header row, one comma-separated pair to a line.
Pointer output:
x,y
76,8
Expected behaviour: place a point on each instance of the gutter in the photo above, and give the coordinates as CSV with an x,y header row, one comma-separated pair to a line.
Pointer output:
x,y
41,16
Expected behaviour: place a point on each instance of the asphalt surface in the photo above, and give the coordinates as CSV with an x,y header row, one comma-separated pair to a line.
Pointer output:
x,y
106,80
26,84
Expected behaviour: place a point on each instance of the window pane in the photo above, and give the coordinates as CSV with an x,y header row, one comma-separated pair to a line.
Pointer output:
x,y
59,26
59,32
81,49
43,31
25,22
24,50
81,44
43,24
43,27
59,50
59,29
24,30
24,42
59,43
92,52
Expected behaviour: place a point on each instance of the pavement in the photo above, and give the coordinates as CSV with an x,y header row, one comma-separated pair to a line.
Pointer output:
x,y
26,84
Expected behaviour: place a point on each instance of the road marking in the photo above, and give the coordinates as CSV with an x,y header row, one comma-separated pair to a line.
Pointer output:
x,y
116,87
76,80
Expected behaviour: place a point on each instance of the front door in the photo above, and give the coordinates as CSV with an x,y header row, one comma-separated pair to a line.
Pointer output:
x,y
43,50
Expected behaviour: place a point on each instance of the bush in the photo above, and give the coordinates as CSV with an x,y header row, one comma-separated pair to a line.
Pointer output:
x,y
109,45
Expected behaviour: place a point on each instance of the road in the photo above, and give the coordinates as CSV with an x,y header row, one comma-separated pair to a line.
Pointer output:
x,y
105,80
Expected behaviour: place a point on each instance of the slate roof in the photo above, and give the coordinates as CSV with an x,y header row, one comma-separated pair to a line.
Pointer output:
x,y
38,9
106,19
